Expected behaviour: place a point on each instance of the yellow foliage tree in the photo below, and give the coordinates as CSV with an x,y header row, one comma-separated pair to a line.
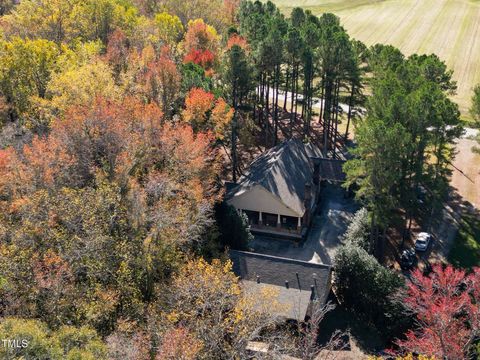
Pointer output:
x,y
82,85
207,300
170,28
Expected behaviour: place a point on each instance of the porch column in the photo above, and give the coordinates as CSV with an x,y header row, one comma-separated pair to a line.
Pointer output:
x,y
260,220
279,223
299,223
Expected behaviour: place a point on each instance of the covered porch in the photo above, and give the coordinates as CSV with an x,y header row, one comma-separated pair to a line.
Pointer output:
x,y
263,222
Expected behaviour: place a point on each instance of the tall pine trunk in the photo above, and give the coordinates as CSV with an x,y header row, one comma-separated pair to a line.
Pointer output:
x,y
296,90
327,113
277,85
292,91
350,105
286,88
337,103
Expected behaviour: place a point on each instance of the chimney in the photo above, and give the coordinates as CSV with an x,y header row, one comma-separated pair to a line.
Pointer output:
x,y
308,193
316,172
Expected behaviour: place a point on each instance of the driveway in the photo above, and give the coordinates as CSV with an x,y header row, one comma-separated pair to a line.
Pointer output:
x,y
329,224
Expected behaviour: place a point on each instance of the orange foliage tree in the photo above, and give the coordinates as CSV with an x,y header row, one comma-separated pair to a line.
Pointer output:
x,y
236,39
204,113
117,51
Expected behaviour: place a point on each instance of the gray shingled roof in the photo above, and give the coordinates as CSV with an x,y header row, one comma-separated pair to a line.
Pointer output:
x,y
274,271
331,169
282,170
290,303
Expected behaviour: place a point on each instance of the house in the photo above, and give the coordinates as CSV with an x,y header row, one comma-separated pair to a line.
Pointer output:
x,y
296,284
280,190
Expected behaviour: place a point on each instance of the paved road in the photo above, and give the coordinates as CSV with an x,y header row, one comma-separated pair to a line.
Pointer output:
x,y
317,102
329,224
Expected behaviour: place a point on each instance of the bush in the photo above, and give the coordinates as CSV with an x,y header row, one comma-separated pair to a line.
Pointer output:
x,y
366,287
358,231
234,231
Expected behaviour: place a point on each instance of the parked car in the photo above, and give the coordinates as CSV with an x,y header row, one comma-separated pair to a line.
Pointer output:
x,y
408,259
422,241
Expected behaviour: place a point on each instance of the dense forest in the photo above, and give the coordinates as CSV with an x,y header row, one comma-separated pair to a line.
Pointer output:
x,y
120,122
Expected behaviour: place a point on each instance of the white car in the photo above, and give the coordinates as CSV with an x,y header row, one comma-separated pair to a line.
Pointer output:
x,y
422,241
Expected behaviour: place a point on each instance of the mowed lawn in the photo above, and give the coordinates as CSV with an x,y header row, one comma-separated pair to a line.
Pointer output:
x,y
448,28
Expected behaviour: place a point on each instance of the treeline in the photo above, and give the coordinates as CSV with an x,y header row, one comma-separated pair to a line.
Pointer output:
x,y
405,144
305,57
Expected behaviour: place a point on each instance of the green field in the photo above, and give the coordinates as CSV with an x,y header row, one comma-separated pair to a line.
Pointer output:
x,y
448,28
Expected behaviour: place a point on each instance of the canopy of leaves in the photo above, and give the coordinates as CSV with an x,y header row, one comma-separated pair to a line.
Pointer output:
x,y
66,343
446,306
228,318
365,286
106,199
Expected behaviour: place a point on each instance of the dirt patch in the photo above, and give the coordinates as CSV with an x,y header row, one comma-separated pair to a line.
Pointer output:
x,y
466,172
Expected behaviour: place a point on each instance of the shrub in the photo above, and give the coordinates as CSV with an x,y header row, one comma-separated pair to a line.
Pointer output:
x,y
233,227
366,287
358,231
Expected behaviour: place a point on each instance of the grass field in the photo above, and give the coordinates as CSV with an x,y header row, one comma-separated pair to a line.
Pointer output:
x,y
448,28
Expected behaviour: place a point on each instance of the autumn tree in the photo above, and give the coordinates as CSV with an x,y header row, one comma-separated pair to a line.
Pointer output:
x,y
26,71
67,342
201,44
228,318
163,82
6,6
445,304
179,343
170,28
81,85
205,113
102,208
117,51
215,12
64,21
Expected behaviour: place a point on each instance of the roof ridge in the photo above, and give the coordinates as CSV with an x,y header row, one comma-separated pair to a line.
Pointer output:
x,y
283,259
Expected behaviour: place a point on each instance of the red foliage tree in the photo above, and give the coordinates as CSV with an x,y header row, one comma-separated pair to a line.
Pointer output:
x,y
201,44
446,305
204,58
